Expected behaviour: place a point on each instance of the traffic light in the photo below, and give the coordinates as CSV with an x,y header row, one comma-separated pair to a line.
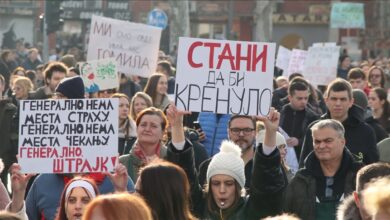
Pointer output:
x,y
53,13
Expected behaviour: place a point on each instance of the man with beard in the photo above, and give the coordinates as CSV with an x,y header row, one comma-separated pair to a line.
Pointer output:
x,y
242,131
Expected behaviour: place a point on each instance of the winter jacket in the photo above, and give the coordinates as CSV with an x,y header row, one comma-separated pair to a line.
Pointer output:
x,y
215,128
348,210
268,184
360,138
295,123
308,183
43,199
380,132
133,163
8,136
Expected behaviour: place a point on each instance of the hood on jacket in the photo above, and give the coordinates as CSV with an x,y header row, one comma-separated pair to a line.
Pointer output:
x,y
348,210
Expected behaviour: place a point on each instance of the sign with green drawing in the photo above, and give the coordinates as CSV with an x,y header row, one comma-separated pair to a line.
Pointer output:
x,y
99,75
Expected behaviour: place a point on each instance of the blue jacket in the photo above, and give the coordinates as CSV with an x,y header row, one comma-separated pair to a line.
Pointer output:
x,y
214,129
43,199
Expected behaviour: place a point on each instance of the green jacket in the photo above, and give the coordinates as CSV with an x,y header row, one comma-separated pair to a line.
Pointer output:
x,y
301,191
134,163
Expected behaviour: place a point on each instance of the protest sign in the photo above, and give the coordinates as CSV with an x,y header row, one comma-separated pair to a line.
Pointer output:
x,y
347,15
323,44
297,61
321,68
68,135
133,46
226,77
283,59
99,75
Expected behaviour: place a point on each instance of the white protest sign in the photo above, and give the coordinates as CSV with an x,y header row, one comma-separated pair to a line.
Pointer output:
x,y
133,46
99,75
321,68
226,77
68,135
324,44
297,60
283,59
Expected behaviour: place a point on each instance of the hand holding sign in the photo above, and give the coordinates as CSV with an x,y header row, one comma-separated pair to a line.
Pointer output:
x,y
18,184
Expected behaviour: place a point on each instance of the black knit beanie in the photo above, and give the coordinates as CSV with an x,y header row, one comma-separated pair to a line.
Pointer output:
x,y
72,88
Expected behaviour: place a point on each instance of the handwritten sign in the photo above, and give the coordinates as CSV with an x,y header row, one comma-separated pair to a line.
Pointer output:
x,y
133,46
99,75
321,68
68,136
347,15
226,77
283,59
297,61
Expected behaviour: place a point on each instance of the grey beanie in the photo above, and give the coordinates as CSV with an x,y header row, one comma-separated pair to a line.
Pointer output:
x,y
360,98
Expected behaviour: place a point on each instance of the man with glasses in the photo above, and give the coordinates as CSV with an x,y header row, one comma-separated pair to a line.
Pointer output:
x,y
242,131
327,177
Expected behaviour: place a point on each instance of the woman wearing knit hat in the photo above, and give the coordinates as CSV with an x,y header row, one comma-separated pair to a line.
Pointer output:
x,y
226,178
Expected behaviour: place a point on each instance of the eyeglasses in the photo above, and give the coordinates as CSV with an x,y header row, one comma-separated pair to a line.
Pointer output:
x,y
237,131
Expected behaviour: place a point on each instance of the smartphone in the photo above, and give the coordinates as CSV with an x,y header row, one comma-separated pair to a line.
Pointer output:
x,y
196,125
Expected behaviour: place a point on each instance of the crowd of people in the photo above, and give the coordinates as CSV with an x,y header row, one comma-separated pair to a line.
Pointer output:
x,y
318,154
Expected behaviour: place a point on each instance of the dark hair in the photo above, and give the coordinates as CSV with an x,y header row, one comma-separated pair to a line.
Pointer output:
x,y
165,188
52,67
382,74
313,96
382,95
342,58
235,116
151,86
339,85
212,207
293,75
297,86
40,67
31,74
166,65
153,111
356,73
370,172
61,214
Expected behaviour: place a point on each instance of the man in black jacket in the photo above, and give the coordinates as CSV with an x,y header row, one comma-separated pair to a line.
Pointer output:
x,y
360,138
296,116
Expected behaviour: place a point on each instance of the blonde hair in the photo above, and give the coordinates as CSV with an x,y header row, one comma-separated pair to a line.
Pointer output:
x,y
376,196
119,206
25,83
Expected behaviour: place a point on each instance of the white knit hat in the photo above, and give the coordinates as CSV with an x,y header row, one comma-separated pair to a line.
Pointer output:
x,y
279,138
228,162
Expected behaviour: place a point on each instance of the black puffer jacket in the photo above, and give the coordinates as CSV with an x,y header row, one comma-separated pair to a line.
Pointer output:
x,y
360,138
268,184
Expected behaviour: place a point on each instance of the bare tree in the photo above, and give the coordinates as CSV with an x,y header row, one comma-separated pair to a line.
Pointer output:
x,y
180,21
262,17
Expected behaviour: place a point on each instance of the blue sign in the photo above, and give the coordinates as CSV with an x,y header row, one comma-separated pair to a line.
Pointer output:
x,y
158,18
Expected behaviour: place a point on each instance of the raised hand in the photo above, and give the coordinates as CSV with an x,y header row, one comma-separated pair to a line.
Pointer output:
x,y
119,178
18,184
271,121
174,115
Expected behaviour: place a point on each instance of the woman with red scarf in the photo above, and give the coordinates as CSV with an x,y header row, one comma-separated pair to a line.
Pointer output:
x,y
151,125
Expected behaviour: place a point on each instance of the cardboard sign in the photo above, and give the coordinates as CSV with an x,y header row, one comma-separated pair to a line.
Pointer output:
x,y
347,15
321,68
99,75
226,77
68,135
283,59
297,61
133,46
